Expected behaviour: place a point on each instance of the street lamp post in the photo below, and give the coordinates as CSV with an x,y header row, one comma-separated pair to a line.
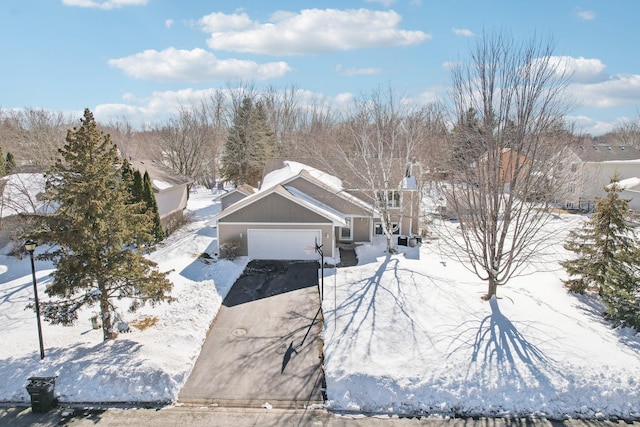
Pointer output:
x,y
30,246
319,250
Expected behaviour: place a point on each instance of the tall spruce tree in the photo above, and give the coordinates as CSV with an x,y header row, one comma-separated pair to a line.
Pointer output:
x,y
137,187
250,142
152,207
3,170
94,230
9,163
607,255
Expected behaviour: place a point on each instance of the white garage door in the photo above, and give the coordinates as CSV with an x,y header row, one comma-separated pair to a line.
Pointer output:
x,y
283,244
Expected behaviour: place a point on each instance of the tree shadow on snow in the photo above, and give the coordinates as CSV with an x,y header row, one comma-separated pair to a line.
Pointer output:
x,y
357,314
505,355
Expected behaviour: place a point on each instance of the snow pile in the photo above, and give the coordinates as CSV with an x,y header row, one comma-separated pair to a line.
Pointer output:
x,y
146,365
409,333
292,169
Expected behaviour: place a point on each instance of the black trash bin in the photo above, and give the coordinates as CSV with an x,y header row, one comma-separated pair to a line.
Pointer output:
x,y
41,391
402,240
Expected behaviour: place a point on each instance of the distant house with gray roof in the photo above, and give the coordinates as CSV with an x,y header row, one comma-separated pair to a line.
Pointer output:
x,y
587,169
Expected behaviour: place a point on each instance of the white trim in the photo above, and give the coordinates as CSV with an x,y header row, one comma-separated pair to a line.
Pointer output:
x,y
315,224
348,220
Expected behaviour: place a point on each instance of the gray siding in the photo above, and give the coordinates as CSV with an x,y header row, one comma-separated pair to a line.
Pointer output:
x,y
230,198
328,198
274,208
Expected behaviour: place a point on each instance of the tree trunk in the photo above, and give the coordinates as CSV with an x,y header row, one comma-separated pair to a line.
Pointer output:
x,y
493,288
105,315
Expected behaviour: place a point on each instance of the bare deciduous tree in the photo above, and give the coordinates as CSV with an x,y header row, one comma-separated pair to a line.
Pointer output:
x,y
502,195
187,144
34,135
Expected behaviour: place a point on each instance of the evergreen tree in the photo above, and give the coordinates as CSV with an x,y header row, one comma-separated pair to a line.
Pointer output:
x,y
249,144
10,163
606,260
94,230
3,170
127,175
152,207
137,188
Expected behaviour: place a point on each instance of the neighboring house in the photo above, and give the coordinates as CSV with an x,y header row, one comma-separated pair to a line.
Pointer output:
x,y
20,193
235,195
171,191
299,206
631,191
587,169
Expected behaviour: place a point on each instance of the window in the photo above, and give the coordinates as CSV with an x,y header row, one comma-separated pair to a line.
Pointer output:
x,y
378,230
569,205
390,199
571,188
346,232
574,167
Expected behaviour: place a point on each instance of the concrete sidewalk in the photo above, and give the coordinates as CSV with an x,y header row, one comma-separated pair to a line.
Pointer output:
x,y
264,344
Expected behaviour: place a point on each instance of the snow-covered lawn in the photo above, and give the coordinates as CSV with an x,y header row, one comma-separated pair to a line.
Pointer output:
x,y
410,333
406,333
147,365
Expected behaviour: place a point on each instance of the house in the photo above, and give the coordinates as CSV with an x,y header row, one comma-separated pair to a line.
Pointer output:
x,y
587,169
235,195
298,207
170,189
630,190
20,193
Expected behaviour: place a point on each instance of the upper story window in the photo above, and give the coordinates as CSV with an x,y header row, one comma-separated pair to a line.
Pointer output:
x,y
390,199
574,167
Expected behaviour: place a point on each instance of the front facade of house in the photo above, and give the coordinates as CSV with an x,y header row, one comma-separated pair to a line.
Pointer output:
x,y
299,207
587,170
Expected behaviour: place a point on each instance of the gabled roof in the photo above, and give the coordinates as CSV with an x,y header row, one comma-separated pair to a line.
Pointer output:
x,y
245,189
606,153
162,178
307,202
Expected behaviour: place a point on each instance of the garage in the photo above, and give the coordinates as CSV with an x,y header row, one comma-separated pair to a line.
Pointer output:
x,y
284,244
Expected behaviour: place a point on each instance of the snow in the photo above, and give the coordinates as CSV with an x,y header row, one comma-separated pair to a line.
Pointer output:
x,y
20,194
292,169
161,185
149,365
627,184
406,333
410,333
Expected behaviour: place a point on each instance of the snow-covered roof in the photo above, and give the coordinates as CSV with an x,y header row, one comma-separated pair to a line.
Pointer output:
x,y
292,169
20,193
628,184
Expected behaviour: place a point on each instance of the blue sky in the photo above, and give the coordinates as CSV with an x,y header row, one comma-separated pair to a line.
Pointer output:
x,y
139,59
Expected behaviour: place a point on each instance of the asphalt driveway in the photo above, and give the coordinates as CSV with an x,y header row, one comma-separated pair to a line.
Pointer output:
x,y
264,343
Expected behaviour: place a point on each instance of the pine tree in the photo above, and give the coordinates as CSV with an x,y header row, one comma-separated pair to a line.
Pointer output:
x,y
152,207
127,175
9,163
94,230
248,145
3,170
606,260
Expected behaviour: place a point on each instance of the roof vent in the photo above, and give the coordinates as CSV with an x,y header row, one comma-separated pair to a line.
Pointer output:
x,y
609,147
595,147
622,147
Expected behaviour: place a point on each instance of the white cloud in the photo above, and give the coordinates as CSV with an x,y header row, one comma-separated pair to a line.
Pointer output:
x,y
104,4
385,3
463,32
194,65
587,125
580,70
353,71
585,15
220,22
168,23
310,31
616,91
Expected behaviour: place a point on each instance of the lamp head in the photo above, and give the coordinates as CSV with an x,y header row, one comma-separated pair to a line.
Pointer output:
x,y
30,246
